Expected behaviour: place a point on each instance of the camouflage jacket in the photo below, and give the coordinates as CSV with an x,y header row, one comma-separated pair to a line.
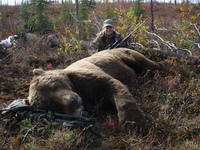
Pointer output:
x,y
103,41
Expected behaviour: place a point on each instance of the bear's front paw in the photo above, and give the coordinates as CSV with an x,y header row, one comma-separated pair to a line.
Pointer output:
x,y
141,127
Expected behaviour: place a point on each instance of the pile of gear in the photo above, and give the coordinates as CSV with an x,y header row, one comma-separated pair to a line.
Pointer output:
x,y
8,42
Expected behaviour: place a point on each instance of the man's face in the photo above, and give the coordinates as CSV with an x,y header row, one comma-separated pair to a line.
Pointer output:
x,y
109,30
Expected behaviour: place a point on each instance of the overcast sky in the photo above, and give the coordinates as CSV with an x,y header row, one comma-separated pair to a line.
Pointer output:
x,y
13,2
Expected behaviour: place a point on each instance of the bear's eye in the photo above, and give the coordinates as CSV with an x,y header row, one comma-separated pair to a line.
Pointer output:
x,y
56,85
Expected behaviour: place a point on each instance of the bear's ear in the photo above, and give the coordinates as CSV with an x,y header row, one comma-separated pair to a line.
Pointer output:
x,y
37,72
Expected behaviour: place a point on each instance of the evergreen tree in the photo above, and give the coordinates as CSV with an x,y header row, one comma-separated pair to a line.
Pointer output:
x,y
86,6
2,13
28,17
64,16
138,10
35,16
109,12
42,21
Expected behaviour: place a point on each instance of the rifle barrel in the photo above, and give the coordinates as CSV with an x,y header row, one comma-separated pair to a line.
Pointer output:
x,y
118,43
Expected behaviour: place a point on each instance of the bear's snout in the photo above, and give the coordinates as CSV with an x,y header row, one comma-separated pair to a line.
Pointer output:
x,y
75,102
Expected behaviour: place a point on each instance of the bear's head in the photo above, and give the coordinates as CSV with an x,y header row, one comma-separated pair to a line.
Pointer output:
x,y
52,90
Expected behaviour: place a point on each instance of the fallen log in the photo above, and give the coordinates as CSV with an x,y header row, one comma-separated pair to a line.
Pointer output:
x,y
166,54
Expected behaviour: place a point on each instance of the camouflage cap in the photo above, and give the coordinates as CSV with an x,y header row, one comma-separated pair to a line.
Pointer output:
x,y
108,22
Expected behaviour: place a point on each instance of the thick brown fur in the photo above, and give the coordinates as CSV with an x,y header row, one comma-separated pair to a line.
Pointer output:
x,y
105,76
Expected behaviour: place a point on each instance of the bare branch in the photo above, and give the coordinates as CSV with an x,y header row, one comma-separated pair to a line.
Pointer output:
x,y
136,44
169,44
97,21
165,54
179,36
195,26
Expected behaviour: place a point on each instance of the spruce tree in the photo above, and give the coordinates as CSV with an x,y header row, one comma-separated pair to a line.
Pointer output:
x,y
35,16
65,16
2,15
138,10
86,7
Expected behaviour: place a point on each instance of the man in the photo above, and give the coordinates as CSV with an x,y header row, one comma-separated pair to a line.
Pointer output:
x,y
106,37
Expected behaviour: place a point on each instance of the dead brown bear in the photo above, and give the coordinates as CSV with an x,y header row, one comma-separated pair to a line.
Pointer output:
x,y
106,75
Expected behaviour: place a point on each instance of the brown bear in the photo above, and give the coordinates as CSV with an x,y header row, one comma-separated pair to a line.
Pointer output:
x,y
104,77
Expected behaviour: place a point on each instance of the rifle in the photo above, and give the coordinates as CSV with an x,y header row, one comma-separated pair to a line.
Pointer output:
x,y
119,42
18,111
